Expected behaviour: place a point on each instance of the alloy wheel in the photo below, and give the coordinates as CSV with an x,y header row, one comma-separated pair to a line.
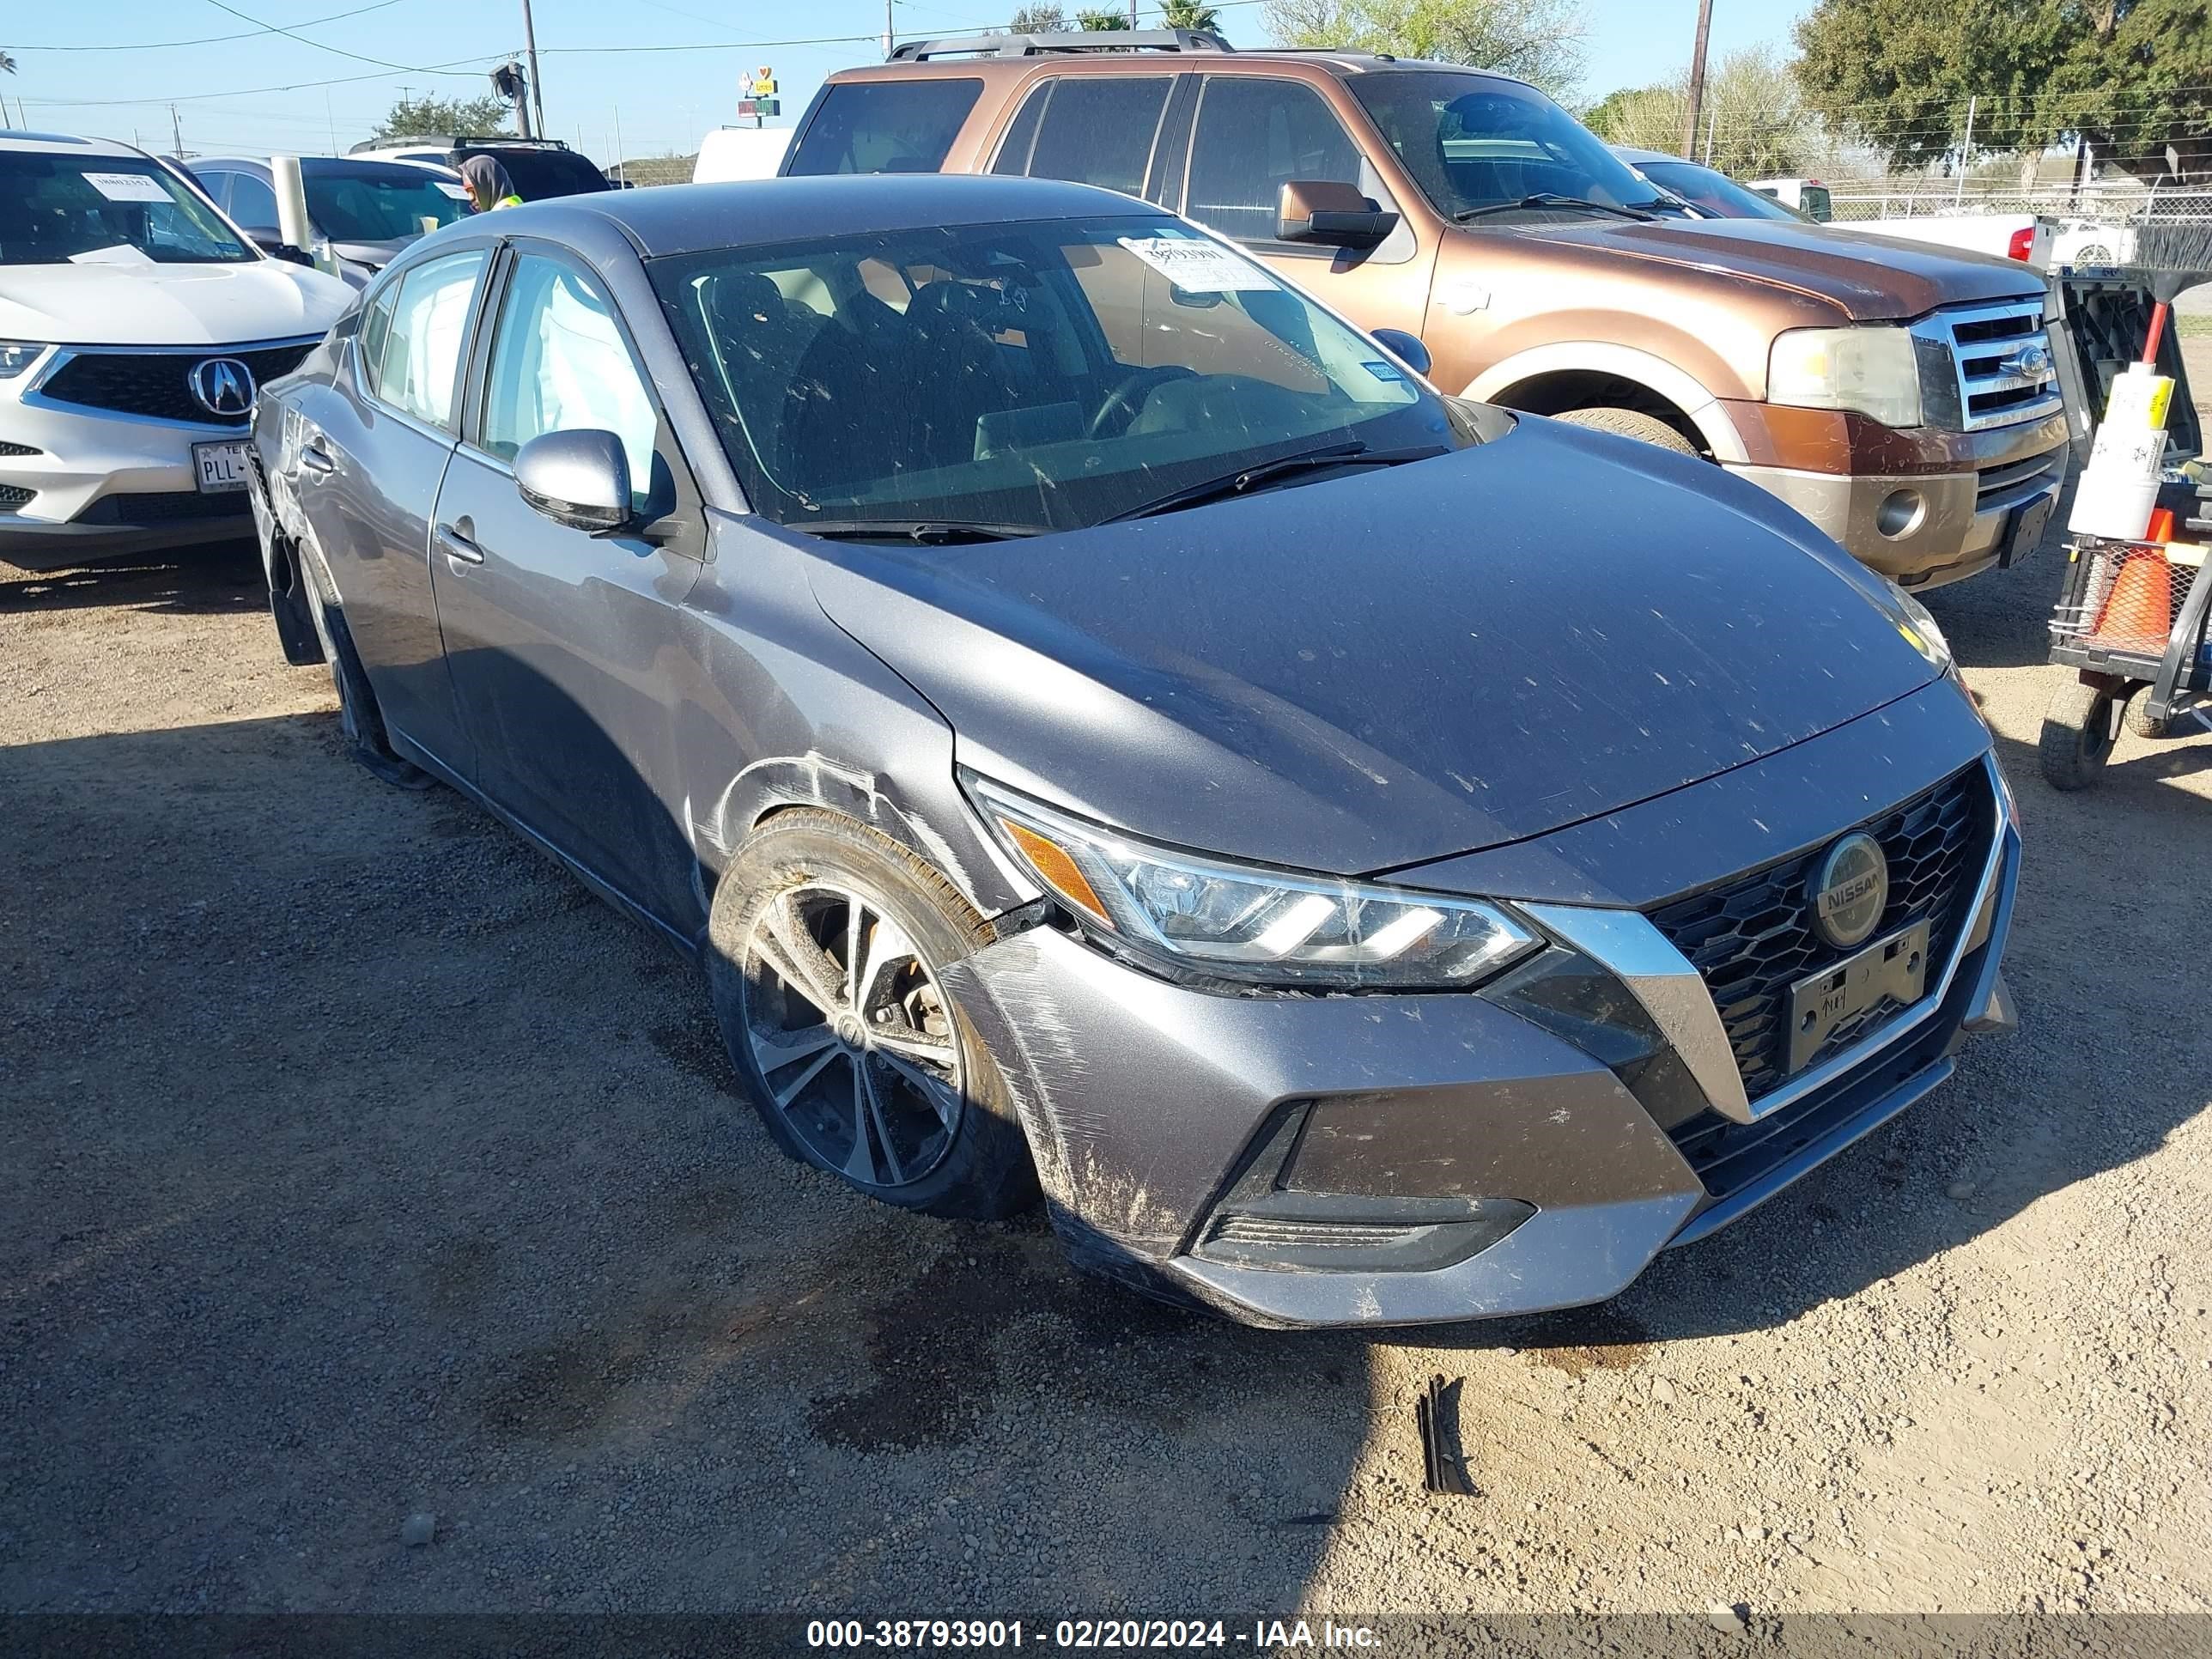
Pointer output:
x,y
852,1035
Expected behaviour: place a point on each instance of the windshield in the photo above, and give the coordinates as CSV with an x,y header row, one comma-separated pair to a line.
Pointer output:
x,y
1473,142
538,175
1032,376
60,209
1716,192
368,201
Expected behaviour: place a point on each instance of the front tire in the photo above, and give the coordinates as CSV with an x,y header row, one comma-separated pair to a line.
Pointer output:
x,y
828,945
1630,423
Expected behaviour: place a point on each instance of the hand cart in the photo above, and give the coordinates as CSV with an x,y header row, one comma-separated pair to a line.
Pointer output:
x,y
2130,621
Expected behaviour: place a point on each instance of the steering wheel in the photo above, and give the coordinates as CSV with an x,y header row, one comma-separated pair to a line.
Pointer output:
x,y
1127,395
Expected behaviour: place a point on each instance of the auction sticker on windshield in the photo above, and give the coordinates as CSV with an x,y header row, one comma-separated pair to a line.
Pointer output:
x,y
127,186
221,467
1198,267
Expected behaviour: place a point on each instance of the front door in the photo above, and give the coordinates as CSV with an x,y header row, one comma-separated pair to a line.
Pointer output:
x,y
565,648
1254,134
367,472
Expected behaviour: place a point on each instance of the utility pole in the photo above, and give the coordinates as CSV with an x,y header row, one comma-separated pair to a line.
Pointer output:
x,y
177,132
888,30
1712,117
1697,82
1966,153
620,156
530,50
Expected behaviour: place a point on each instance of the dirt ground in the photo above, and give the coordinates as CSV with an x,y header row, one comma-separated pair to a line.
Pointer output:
x,y
359,1166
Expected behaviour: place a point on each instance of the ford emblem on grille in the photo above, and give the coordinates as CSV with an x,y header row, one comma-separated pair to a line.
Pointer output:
x,y
2031,360
1851,890
222,385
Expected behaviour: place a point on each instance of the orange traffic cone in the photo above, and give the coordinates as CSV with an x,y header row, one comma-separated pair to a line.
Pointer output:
x,y
2138,614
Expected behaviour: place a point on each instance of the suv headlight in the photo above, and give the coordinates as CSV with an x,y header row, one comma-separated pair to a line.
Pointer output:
x,y
1191,914
17,355
1873,370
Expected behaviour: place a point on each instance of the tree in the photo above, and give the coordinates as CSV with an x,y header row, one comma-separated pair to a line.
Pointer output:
x,y
2130,76
1101,20
1046,19
1538,41
1189,14
486,114
1758,126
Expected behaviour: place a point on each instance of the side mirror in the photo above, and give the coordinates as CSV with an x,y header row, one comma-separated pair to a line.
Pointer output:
x,y
1331,213
581,479
272,243
1406,347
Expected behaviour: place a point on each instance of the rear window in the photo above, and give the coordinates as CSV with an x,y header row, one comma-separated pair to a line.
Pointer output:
x,y
540,174
1092,131
883,126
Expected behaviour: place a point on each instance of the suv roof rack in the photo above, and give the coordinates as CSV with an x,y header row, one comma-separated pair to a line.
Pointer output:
x,y
455,141
1040,45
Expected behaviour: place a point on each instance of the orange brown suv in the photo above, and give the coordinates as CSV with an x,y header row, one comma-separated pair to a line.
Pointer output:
x,y
1903,398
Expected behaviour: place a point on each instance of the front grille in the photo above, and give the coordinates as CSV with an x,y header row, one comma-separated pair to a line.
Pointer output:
x,y
2016,481
156,384
15,495
164,506
1979,344
1751,938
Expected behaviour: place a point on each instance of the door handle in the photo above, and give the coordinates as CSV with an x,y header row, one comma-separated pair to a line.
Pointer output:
x,y
458,548
316,458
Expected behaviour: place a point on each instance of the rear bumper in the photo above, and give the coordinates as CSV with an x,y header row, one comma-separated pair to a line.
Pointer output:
x,y
1158,1112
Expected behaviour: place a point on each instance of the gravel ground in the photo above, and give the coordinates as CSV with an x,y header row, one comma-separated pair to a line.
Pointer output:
x,y
360,1167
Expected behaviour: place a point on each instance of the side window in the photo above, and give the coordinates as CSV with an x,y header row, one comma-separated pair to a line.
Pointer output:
x,y
412,360
1253,137
1092,129
883,126
559,364
252,203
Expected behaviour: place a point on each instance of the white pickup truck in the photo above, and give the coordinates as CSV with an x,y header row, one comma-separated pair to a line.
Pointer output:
x,y
2023,236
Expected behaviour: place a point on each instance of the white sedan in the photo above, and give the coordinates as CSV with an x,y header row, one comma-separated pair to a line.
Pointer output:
x,y
136,326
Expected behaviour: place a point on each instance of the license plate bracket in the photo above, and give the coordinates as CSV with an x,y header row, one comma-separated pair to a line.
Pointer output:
x,y
1895,966
220,469
2025,533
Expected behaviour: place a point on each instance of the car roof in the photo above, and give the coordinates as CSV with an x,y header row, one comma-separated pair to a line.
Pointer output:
x,y
763,212
1342,64
352,167
63,143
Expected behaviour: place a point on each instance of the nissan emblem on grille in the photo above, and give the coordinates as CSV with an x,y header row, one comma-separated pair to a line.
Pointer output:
x,y
1851,890
222,385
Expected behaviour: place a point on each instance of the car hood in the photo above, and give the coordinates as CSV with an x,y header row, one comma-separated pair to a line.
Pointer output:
x,y
1873,278
144,303
1388,667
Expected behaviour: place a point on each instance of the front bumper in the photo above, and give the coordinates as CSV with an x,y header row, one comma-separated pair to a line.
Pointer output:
x,y
1943,527
103,482
1155,1111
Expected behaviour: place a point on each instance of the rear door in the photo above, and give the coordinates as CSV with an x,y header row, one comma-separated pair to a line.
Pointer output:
x,y
562,643
1108,129
1252,135
368,474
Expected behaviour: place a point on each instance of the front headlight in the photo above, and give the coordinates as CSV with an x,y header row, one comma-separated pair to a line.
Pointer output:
x,y
17,355
1871,370
1196,915
1921,631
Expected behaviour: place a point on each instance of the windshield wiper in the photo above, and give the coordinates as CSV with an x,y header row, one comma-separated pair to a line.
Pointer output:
x,y
1544,199
1353,453
931,532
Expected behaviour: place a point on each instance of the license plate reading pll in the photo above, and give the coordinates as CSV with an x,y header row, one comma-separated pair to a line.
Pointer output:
x,y
221,468
1896,967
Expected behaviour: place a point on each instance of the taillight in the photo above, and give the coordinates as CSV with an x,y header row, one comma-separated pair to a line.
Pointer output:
x,y
2022,244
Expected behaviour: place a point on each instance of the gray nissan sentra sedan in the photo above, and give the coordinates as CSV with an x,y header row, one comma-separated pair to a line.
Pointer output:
x,y
1106,726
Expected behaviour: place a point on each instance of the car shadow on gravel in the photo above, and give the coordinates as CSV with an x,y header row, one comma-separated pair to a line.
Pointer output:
x,y
195,581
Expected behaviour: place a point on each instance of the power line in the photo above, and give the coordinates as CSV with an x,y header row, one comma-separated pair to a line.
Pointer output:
x,y
211,39
339,51
256,91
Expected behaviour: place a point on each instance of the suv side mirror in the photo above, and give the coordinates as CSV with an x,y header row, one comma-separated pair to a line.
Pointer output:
x,y
272,243
1406,347
1331,213
580,479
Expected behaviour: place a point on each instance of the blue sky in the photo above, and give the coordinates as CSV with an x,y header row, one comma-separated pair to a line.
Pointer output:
x,y
660,72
